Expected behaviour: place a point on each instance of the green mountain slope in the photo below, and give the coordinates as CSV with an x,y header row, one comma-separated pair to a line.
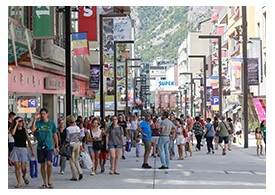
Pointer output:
x,y
161,30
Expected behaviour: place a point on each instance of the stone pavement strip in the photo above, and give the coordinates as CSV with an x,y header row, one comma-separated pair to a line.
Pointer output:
x,y
239,169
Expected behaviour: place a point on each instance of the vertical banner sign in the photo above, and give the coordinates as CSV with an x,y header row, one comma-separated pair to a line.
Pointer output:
x,y
87,21
235,74
122,29
80,43
253,71
94,76
43,22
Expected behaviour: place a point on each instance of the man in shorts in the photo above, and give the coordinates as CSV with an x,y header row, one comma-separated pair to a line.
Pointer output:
x,y
145,130
223,135
47,133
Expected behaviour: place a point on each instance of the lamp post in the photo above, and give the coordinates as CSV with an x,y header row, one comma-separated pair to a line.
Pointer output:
x,y
102,99
126,80
68,61
245,77
204,81
115,72
191,75
220,65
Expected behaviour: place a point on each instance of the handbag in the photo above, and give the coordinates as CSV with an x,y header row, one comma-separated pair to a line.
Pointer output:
x,y
33,168
97,145
66,150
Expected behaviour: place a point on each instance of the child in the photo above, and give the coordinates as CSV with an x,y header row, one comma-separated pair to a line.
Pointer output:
x,y
103,151
188,143
259,138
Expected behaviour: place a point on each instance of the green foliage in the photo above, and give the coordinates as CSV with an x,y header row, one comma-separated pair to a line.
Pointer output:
x,y
154,21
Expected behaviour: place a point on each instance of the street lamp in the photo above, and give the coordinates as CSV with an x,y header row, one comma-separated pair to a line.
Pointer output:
x,y
68,61
245,77
191,75
102,100
115,72
220,65
126,80
204,80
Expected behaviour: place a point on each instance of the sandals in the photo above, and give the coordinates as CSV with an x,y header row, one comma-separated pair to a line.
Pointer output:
x,y
116,173
50,185
44,186
26,180
17,186
111,172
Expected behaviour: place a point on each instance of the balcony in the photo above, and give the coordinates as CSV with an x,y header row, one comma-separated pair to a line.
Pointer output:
x,y
20,37
223,16
52,53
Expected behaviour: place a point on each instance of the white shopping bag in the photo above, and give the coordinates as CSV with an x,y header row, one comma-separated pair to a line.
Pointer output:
x,y
86,160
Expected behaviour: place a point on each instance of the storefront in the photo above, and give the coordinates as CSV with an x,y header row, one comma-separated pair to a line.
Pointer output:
x,y
30,90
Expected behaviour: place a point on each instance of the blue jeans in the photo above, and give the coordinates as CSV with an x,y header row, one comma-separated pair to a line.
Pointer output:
x,y
163,148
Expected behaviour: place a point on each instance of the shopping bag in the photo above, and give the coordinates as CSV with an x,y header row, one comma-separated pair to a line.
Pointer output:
x,y
128,146
202,142
86,160
33,168
234,139
55,160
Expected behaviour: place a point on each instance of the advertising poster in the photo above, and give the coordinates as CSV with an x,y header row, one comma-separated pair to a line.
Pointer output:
x,y
94,76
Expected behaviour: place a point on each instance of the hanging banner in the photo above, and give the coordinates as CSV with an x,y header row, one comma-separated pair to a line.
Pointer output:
x,y
260,110
87,21
43,22
80,43
235,74
122,29
94,76
253,71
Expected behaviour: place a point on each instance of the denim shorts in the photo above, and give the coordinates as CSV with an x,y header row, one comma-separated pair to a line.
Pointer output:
x,y
110,146
44,155
92,150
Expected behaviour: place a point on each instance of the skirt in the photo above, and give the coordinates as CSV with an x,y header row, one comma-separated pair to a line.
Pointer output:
x,y
19,154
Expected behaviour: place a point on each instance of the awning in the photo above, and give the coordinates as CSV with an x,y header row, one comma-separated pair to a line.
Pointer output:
x,y
228,108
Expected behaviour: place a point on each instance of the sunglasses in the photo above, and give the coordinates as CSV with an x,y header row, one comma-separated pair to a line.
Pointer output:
x,y
20,121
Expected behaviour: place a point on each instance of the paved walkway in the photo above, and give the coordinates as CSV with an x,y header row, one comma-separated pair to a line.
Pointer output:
x,y
239,169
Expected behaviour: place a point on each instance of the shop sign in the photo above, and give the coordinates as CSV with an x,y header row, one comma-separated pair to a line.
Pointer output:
x,y
166,83
52,83
43,22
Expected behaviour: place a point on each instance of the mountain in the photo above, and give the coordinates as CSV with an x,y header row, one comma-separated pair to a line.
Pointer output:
x,y
160,30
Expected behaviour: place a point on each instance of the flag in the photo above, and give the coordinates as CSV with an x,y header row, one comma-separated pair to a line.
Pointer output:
x,y
80,43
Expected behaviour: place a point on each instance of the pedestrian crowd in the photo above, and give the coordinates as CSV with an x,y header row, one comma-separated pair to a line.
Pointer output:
x,y
91,141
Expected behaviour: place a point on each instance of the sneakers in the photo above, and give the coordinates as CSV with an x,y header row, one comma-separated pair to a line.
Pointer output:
x,y
93,173
146,166
61,173
163,167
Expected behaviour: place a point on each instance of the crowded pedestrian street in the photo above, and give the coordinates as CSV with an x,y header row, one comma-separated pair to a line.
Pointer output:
x,y
240,169
137,97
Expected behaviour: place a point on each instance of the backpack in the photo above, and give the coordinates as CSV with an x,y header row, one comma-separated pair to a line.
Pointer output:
x,y
198,129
